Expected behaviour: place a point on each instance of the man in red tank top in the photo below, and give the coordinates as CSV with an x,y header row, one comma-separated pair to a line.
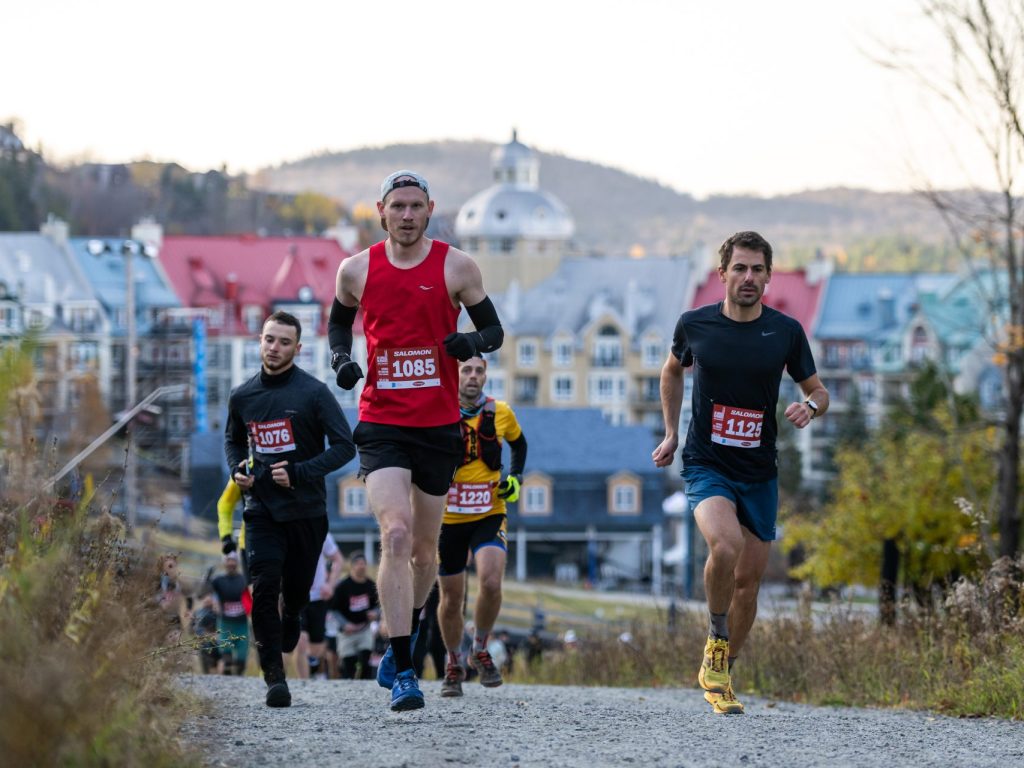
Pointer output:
x,y
411,289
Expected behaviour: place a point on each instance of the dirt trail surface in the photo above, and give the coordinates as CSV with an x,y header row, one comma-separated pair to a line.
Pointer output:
x,y
347,723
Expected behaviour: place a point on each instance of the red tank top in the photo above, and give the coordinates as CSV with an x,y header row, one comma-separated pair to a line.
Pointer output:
x,y
410,380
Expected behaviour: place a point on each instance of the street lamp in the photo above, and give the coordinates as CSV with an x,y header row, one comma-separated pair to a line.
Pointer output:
x,y
129,249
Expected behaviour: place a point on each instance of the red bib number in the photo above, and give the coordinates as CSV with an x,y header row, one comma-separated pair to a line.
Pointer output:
x,y
358,603
470,498
272,436
234,608
410,368
738,427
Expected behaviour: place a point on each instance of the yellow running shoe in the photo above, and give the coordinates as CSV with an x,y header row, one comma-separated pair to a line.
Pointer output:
x,y
724,703
714,672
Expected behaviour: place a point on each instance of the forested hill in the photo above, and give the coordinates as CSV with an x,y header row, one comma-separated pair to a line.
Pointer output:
x,y
615,210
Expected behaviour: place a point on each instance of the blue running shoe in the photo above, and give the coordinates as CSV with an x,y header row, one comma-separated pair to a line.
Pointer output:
x,y
387,668
406,693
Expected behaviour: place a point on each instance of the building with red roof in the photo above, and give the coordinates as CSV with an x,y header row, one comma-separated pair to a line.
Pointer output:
x,y
797,292
235,282
244,278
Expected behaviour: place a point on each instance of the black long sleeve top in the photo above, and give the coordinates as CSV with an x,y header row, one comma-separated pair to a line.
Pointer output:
x,y
287,417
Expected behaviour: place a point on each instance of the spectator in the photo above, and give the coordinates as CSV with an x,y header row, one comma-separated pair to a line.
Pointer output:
x,y
355,599
204,628
232,622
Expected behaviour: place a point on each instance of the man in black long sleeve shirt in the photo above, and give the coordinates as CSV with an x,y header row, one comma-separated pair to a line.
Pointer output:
x,y
274,443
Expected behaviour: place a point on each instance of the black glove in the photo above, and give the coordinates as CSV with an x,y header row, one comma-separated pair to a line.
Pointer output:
x,y
347,370
508,488
461,345
227,544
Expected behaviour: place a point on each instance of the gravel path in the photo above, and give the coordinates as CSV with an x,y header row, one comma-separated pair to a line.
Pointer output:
x,y
347,723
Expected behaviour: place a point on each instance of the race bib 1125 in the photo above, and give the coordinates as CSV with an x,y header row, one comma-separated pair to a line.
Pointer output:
x,y
738,427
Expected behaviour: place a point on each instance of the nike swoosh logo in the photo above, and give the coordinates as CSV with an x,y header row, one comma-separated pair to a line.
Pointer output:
x,y
426,287
763,333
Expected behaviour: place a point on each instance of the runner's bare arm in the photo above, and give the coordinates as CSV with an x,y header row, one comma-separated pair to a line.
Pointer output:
x,y
671,404
351,278
465,286
462,275
800,414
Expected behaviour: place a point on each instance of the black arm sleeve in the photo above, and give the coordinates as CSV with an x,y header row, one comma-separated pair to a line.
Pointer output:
x,y
518,449
236,439
488,327
339,327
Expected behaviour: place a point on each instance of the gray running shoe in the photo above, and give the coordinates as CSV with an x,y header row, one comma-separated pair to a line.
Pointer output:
x,y
482,662
452,684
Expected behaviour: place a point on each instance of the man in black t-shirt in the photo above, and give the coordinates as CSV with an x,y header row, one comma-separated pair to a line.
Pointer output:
x,y
355,598
738,349
232,620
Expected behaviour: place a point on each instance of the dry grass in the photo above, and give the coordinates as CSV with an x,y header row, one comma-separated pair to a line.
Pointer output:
x,y
85,676
966,659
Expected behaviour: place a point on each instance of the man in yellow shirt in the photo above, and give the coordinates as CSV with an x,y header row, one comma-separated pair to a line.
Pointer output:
x,y
475,522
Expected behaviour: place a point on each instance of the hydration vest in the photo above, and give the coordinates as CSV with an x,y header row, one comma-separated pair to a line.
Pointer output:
x,y
482,443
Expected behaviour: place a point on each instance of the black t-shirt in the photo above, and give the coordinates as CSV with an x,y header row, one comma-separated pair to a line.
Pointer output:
x,y
737,370
228,588
353,599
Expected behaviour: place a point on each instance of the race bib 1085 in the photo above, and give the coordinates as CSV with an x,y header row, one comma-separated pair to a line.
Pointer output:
x,y
738,427
409,368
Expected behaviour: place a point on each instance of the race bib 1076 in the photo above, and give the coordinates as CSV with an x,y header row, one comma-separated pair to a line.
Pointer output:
x,y
409,368
272,436
738,427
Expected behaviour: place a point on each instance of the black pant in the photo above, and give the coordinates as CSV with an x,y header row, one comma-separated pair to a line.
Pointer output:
x,y
282,563
348,667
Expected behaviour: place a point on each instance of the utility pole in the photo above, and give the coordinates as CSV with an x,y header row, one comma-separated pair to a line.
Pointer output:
x,y
128,249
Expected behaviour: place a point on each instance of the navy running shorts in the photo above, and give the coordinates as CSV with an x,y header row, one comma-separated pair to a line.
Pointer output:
x,y
757,504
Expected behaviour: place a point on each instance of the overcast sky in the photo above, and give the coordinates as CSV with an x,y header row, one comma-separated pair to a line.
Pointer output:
x,y
706,97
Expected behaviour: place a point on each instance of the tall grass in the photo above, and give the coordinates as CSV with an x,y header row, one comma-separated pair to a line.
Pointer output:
x,y
84,679
965,658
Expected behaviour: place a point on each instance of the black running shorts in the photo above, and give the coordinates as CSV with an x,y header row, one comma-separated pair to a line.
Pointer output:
x,y
459,539
432,454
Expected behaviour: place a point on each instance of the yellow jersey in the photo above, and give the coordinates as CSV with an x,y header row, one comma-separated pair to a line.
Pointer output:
x,y
474,491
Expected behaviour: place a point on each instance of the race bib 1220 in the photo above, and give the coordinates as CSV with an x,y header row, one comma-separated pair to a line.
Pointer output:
x,y
470,498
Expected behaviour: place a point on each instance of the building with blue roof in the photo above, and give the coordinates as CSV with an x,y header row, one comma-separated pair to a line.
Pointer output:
x,y
163,339
875,330
43,291
961,328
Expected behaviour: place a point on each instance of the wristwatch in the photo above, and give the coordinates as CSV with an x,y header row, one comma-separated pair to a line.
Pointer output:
x,y
337,358
813,406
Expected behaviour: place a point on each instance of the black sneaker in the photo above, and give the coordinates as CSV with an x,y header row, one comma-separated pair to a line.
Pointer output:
x,y
291,627
276,689
278,695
